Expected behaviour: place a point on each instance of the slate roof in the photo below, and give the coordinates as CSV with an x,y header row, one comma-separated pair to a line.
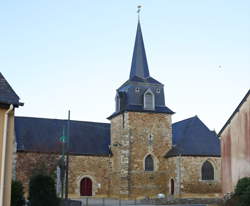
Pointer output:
x,y
139,66
42,135
235,111
7,94
191,137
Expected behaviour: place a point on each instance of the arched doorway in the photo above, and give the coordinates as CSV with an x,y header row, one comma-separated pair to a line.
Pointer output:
x,y
86,187
172,187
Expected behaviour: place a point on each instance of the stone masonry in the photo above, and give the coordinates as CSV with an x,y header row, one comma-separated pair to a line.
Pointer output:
x,y
97,168
188,177
134,136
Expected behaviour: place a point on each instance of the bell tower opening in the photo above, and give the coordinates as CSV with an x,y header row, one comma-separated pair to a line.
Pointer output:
x,y
149,100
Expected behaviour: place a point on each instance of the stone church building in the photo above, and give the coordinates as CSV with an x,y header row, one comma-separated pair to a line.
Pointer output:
x,y
140,153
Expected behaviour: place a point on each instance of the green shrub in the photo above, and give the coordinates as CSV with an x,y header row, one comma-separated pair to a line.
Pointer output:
x,y
245,197
243,191
42,191
241,186
17,198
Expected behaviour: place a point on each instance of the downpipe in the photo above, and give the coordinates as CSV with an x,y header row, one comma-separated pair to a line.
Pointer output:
x,y
5,132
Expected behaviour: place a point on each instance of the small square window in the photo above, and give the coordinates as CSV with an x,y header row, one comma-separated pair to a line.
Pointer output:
x,y
150,139
137,90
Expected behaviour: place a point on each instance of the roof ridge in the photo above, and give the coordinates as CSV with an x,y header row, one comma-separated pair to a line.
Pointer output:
x,y
204,124
236,110
201,122
185,119
44,118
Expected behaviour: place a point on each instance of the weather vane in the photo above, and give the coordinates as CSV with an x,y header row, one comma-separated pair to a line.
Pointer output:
x,y
138,11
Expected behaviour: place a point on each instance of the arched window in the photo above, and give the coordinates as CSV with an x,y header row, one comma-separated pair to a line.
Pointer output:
x,y
207,171
149,101
149,163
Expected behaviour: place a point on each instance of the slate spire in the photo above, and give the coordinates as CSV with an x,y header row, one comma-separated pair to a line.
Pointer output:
x,y
139,66
141,93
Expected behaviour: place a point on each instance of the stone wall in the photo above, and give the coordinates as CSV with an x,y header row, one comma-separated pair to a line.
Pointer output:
x,y
187,177
97,168
134,136
188,181
28,163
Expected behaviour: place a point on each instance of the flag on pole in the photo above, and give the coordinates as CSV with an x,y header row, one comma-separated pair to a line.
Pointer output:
x,y
63,138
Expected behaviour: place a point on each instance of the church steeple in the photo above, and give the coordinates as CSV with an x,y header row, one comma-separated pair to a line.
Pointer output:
x,y
141,93
139,66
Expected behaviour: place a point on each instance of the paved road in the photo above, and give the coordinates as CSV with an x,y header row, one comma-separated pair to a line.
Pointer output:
x,y
113,202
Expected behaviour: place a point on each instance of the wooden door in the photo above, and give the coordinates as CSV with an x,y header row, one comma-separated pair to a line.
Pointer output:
x,y
86,187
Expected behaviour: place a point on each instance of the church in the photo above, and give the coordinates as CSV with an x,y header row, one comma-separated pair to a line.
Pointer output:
x,y
139,154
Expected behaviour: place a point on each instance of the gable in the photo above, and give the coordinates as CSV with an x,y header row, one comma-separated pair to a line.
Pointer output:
x,y
191,137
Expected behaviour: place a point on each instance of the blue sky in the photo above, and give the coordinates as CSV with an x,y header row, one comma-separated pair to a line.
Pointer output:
x,y
61,55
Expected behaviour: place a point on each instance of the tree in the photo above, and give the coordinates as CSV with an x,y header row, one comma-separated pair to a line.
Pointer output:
x,y
42,191
243,191
17,194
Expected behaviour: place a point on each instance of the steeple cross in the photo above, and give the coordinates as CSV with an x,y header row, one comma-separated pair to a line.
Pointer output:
x,y
138,11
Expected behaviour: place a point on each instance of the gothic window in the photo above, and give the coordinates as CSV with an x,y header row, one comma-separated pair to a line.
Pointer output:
x,y
207,171
149,163
149,101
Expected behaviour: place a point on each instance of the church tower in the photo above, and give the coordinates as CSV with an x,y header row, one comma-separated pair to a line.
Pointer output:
x,y
141,131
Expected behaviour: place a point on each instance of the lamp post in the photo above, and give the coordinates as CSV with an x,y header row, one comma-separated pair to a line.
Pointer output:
x,y
64,163
67,159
